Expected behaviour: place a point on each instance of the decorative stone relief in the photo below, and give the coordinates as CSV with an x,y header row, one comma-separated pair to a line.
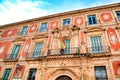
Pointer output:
x,y
2,49
9,32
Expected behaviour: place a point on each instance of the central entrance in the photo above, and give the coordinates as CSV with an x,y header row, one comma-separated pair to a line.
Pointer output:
x,y
63,77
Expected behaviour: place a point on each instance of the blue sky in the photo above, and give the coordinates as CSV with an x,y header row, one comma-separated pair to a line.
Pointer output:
x,y
19,10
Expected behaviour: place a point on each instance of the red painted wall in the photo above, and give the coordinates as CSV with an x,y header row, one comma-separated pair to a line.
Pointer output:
x,y
113,39
79,21
82,36
4,47
10,32
54,24
26,47
115,65
49,40
106,17
22,69
33,28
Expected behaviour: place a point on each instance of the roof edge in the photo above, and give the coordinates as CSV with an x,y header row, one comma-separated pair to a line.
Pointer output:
x,y
63,13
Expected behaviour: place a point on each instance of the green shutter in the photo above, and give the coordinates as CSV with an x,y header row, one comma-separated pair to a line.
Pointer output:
x,y
15,51
96,43
37,49
6,74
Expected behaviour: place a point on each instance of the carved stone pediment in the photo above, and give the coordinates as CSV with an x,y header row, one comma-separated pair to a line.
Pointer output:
x,y
94,29
40,35
19,39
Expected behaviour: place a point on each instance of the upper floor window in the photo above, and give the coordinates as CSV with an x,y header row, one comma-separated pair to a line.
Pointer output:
x,y
32,74
66,22
96,43
15,51
100,73
24,30
118,15
43,27
92,19
6,74
37,49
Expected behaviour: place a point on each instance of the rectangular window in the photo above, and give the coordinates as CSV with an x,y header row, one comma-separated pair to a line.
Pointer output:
x,y
15,51
67,49
32,74
66,22
24,30
118,15
100,73
92,19
6,74
96,43
37,49
43,27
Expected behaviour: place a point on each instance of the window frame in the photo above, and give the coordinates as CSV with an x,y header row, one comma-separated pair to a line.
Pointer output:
x,y
43,28
98,42
5,73
34,54
118,18
21,32
91,16
12,53
70,20
29,73
98,68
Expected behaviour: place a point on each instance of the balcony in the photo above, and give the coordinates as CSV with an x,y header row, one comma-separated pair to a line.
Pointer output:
x,y
68,51
99,51
34,56
11,58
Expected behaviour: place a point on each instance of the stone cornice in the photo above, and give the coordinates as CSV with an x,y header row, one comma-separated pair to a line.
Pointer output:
x,y
104,7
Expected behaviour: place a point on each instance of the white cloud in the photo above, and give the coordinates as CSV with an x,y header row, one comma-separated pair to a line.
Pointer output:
x,y
16,11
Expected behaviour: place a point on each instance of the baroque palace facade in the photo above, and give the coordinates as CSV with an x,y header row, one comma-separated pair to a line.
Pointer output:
x,y
33,50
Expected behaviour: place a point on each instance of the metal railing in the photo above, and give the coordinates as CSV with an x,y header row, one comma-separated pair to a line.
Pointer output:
x,y
74,50
11,57
100,49
34,56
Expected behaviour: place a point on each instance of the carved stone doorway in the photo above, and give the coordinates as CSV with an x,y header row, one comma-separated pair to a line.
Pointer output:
x,y
63,77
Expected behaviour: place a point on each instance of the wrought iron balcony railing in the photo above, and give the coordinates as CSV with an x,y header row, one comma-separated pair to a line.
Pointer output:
x,y
74,50
99,49
34,56
11,57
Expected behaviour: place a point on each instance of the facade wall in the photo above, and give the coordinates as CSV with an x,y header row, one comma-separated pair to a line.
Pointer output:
x,y
80,61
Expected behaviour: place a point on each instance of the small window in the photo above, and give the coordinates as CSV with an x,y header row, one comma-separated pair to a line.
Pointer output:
x,y
32,74
15,51
24,30
118,15
66,22
100,73
43,27
6,74
92,20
